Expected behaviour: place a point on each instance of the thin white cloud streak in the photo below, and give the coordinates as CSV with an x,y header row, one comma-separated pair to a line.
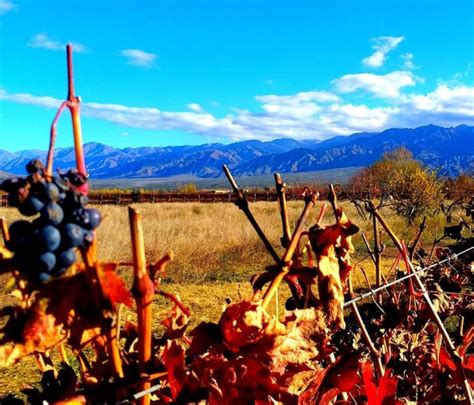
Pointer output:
x,y
139,58
43,41
195,107
6,6
408,61
315,115
382,46
383,86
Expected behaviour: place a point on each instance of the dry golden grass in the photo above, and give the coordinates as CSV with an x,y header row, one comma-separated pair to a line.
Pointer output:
x,y
215,253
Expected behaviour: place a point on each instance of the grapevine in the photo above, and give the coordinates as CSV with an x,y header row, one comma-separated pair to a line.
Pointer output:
x,y
392,350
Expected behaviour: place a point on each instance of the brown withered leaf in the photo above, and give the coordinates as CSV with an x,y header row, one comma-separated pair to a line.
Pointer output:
x,y
302,341
178,318
332,246
39,332
246,323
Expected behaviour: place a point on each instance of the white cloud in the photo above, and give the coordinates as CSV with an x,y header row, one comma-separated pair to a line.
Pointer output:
x,y
139,58
408,61
195,107
6,6
314,115
382,46
444,104
318,96
42,41
383,86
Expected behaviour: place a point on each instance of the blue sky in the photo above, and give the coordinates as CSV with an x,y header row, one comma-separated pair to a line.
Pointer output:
x,y
189,72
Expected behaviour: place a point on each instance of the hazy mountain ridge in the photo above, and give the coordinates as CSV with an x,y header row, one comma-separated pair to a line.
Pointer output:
x,y
449,149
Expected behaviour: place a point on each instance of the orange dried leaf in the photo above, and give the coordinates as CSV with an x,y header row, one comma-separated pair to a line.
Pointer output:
x,y
113,287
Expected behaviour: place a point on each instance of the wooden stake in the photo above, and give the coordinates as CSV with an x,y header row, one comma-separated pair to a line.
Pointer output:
x,y
242,203
144,291
280,189
412,248
376,253
5,232
310,202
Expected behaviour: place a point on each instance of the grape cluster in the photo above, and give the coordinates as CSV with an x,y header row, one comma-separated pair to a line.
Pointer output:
x,y
45,246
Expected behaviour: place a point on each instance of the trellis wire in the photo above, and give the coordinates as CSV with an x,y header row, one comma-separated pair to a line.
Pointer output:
x,y
399,280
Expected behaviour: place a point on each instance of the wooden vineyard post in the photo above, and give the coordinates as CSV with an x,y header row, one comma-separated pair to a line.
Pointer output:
x,y
242,203
310,202
434,314
283,207
143,290
376,255
4,226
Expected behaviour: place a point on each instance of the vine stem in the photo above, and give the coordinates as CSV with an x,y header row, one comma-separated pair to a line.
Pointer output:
x,y
310,202
52,139
73,104
143,291
434,314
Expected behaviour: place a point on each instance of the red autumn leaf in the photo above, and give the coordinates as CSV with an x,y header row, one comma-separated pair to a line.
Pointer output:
x,y
173,358
446,360
204,336
387,388
328,397
370,387
113,287
243,323
382,394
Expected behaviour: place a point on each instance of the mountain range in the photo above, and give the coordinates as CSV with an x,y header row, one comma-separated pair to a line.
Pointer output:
x,y
449,150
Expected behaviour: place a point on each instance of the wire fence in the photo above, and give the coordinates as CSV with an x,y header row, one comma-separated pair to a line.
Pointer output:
x,y
374,291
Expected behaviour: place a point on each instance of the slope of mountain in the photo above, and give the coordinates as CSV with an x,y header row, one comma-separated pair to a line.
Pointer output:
x,y
449,149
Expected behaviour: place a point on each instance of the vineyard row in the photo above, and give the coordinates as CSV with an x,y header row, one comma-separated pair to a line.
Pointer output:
x,y
203,197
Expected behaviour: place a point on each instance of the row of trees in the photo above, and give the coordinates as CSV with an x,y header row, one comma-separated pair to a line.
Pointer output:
x,y
414,189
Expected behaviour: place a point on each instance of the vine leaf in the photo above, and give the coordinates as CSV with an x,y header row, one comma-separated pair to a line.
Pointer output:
x,y
332,246
113,287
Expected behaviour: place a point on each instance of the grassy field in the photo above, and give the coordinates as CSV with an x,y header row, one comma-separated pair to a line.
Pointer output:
x,y
216,251
341,176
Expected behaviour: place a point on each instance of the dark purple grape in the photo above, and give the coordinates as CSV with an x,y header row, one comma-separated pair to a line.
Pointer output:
x,y
21,233
13,184
66,258
73,236
48,238
18,197
52,213
79,216
88,238
38,188
75,177
31,206
35,166
44,277
46,262
62,184
94,218
52,192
